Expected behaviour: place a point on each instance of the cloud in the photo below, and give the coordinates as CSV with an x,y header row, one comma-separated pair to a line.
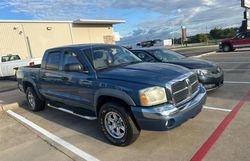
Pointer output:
x,y
55,9
196,15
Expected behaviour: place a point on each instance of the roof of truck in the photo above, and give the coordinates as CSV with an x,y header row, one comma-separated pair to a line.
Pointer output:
x,y
82,46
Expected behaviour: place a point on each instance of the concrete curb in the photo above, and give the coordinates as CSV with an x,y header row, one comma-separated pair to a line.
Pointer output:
x,y
205,54
9,106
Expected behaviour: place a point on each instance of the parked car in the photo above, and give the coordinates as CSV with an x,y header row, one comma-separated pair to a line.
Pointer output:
x,y
110,83
149,43
9,62
241,40
209,74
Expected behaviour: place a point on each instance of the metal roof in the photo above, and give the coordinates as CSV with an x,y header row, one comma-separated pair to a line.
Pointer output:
x,y
83,46
89,21
78,21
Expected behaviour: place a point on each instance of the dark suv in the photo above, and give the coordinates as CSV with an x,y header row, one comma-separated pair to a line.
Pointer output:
x,y
209,73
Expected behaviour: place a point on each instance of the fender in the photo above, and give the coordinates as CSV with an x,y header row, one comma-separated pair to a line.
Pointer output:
x,y
228,43
35,87
113,93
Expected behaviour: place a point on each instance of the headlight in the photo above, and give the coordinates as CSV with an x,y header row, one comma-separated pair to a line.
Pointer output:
x,y
152,96
201,71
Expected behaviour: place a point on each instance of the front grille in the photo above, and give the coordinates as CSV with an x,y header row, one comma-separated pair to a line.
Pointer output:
x,y
184,89
179,86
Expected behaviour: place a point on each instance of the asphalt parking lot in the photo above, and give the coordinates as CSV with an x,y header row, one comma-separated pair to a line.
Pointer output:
x,y
220,132
7,84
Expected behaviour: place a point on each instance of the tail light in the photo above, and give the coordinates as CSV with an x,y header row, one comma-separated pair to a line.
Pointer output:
x,y
32,64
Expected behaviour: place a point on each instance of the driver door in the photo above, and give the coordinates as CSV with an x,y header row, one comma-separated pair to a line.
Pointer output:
x,y
240,40
77,84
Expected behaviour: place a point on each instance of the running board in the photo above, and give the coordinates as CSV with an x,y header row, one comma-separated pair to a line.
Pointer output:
x,y
71,112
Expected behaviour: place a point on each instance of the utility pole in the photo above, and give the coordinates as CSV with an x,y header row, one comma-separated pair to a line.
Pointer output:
x,y
173,34
207,34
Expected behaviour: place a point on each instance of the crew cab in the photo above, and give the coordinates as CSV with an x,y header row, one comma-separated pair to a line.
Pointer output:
x,y
241,40
111,84
9,62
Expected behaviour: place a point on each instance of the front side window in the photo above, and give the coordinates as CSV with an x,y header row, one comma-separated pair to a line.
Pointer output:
x,y
165,55
53,61
14,57
106,57
70,57
71,62
144,56
240,36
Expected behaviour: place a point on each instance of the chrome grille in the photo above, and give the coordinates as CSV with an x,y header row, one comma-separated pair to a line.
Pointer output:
x,y
184,89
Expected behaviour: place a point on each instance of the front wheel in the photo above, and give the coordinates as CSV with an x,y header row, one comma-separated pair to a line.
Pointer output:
x,y
226,48
117,124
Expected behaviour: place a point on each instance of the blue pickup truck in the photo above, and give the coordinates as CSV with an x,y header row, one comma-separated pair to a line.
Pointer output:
x,y
109,83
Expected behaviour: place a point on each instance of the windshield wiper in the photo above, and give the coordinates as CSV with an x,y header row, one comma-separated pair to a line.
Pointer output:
x,y
119,65
133,62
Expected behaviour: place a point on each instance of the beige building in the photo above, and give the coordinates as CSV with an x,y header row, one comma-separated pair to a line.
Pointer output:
x,y
29,38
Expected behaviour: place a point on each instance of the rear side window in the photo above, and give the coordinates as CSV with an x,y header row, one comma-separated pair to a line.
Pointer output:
x,y
53,61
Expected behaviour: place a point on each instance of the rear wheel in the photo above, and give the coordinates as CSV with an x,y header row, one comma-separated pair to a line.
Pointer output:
x,y
117,124
227,48
34,102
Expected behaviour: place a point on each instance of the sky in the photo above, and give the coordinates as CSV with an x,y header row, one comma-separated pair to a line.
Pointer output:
x,y
145,20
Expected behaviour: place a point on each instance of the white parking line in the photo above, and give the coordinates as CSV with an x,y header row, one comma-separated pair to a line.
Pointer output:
x,y
230,62
53,137
236,69
217,109
235,82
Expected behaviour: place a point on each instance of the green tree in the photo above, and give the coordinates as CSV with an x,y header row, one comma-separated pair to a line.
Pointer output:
x,y
202,37
223,33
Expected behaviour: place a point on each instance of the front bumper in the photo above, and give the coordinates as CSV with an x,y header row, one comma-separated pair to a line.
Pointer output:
x,y
161,118
211,82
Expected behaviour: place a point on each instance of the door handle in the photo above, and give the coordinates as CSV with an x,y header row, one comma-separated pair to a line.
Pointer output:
x,y
85,82
65,78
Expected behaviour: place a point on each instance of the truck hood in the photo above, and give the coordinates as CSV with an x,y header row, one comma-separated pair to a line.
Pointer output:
x,y
145,73
226,40
193,63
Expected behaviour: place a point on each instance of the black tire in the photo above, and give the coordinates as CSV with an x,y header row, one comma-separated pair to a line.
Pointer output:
x,y
131,132
227,48
38,104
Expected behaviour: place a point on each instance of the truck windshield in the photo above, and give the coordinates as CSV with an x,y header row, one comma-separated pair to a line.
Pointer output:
x,y
107,57
165,55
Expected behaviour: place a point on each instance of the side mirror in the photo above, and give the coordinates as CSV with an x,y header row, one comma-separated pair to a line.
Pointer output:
x,y
74,67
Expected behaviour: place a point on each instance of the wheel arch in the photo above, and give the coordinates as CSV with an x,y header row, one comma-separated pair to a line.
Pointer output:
x,y
105,95
30,83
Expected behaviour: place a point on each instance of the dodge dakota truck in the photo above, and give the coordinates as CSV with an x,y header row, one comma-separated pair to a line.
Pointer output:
x,y
112,85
